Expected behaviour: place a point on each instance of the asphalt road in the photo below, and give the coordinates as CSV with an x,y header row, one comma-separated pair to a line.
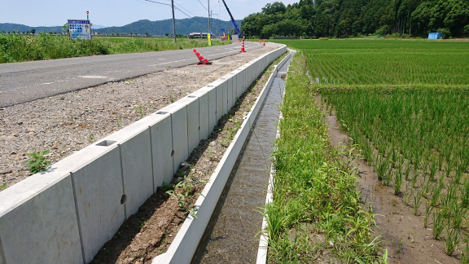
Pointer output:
x,y
27,81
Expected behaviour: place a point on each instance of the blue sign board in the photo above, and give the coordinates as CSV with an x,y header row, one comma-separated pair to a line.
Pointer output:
x,y
79,28
435,35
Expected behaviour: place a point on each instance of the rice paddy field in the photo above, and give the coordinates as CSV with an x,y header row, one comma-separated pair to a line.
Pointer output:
x,y
404,104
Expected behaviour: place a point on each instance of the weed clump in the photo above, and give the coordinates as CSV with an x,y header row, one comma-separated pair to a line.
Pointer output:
x,y
37,162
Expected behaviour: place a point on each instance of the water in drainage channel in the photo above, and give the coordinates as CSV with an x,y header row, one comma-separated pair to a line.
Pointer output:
x,y
232,233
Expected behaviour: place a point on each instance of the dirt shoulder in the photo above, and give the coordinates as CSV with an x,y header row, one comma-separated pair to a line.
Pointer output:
x,y
69,122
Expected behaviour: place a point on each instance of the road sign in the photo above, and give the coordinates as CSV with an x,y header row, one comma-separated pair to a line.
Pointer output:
x,y
79,28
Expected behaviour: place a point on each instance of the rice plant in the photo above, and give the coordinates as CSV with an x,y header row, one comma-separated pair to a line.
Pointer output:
x,y
417,202
428,209
438,224
452,240
397,182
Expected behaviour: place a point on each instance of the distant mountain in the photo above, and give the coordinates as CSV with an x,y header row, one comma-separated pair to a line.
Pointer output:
x,y
161,27
98,26
8,27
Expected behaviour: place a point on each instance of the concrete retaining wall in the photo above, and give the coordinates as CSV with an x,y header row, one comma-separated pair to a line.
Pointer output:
x,y
65,215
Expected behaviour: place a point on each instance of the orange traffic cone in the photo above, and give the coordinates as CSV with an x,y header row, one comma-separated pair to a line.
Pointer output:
x,y
242,46
201,58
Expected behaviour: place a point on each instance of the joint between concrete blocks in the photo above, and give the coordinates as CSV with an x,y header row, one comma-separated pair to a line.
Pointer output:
x,y
152,165
122,178
80,232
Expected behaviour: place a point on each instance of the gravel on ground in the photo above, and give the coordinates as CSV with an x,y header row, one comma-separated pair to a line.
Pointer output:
x,y
66,123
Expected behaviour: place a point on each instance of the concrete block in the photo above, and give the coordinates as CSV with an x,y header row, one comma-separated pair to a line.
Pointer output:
x,y
38,221
231,92
248,73
162,148
203,95
193,123
223,89
257,70
135,151
231,88
99,196
244,76
215,107
254,73
179,131
241,81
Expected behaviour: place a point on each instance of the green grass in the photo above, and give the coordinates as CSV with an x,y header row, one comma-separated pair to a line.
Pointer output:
x,y
316,210
17,48
118,45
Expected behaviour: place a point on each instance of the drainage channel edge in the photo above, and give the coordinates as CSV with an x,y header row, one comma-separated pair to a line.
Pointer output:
x,y
187,239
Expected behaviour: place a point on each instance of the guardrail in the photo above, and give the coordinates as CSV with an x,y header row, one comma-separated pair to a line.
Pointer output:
x,y
65,215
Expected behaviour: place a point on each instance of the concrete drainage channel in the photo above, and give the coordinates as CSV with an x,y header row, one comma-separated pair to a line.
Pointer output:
x,y
232,233
66,214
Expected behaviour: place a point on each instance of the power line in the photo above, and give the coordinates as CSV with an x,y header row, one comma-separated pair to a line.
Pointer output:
x,y
177,8
182,12
184,9
202,5
156,2
188,16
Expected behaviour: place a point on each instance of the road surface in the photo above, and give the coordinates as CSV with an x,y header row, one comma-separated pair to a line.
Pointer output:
x,y
28,81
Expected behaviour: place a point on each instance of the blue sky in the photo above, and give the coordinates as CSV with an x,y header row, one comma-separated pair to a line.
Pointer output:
x,y
119,12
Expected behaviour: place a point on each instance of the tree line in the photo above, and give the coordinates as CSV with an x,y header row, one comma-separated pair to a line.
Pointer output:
x,y
346,18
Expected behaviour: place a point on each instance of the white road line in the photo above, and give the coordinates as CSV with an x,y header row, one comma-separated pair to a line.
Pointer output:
x,y
93,77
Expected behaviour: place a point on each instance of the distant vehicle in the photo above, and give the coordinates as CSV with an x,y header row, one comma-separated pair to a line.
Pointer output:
x,y
197,35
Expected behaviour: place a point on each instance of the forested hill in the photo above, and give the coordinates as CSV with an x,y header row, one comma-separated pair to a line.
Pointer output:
x,y
343,18
183,26
161,27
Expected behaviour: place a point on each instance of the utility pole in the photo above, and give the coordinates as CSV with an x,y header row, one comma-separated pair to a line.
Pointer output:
x,y
174,22
211,16
209,22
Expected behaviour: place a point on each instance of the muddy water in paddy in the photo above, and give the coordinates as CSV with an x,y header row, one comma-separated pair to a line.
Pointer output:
x,y
403,233
233,232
